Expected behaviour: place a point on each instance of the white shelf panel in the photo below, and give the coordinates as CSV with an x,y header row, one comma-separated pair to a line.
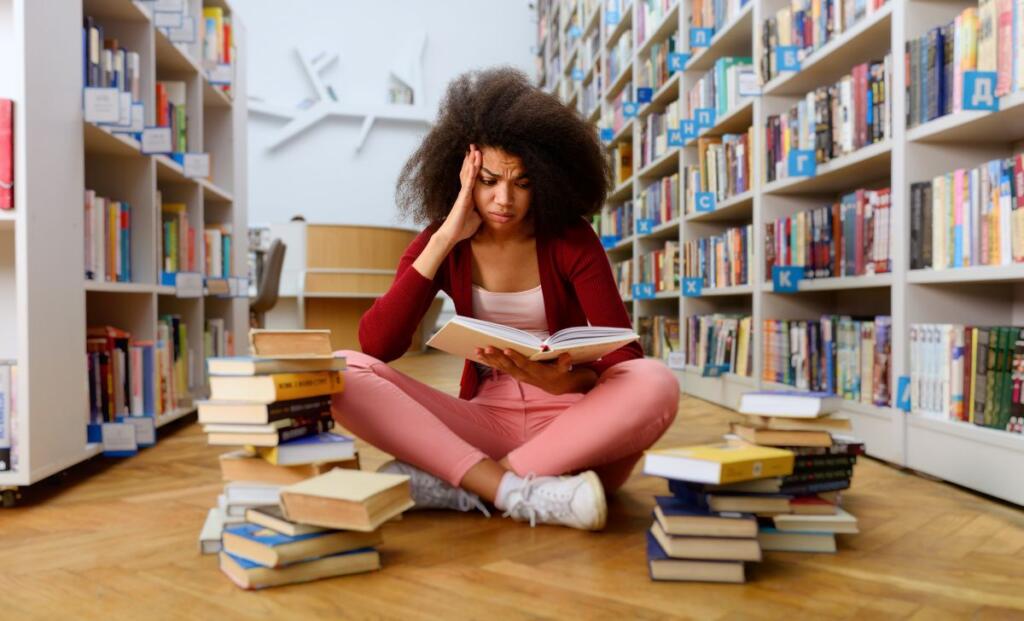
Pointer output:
x,y
850,171
978,273
120,287
173,415
101,141
838,283
626,243
213,97
732,122
667,93
710,292
7,219
668,25
169,171
170,58
666,230
737,207
625,23
213,192
626,131
115,9
984,459
622,192
625,75
1004,126
671,294
593,22
870,38
735,39
666,164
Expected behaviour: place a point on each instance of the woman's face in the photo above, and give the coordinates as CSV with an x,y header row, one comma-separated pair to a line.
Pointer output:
x,y
502,190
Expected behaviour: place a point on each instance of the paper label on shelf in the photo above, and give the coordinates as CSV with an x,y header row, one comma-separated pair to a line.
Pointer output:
x,y
786,278
138,120
787,58
705,117
693,287
677,61
748,85
157,140
644,226
610,241
169,5
675,138
102,105
196,165
607,133
688,127
186,33
980,91
644,94
903,393
145,429
124,111
643,290
167,19
802,163
704,201
676,360
119,440
221,74
188,285
612,17
715,370
629,109
701,37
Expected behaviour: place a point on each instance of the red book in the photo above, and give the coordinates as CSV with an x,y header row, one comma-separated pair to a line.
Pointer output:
x,y
6,154
162,118
226,39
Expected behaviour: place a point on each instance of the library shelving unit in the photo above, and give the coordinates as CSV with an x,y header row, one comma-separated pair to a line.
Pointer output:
x,y
976,457
46,303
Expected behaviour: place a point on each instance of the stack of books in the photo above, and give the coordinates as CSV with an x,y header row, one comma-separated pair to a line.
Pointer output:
x,y
699,534
808,514
326,526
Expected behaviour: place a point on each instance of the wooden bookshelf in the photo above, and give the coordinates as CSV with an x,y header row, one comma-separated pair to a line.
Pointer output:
x,y
45,301
970,455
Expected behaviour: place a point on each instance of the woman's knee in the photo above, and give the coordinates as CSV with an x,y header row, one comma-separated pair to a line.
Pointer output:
x,y
654,385
356,360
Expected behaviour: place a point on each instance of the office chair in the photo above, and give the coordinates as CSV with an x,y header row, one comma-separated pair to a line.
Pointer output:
x,y
270,282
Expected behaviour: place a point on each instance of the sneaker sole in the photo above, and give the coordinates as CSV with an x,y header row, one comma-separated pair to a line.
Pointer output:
x,y
594,482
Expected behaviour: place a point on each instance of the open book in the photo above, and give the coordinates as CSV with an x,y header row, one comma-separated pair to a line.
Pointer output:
x,y
462,335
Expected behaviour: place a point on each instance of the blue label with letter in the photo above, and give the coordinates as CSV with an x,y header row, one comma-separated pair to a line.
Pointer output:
x,y
609,241
688,127
629,109
705,117
643,290
677,61
787,58
786,278
802,163
577,74
715,370
575,32
644,226
980,91
903,393
612,17
701,37
607,133
705,201
644,94
693,287
675,138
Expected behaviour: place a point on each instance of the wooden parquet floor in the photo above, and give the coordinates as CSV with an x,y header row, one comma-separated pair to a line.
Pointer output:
x,y
117,540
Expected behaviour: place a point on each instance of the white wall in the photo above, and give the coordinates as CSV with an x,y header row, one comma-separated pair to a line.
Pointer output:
x,y
318,174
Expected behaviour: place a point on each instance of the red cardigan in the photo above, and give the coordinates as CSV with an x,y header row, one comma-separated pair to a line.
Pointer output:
x,y
575,278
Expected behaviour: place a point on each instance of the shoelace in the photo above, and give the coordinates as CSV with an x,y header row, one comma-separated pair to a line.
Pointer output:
x,y
524,504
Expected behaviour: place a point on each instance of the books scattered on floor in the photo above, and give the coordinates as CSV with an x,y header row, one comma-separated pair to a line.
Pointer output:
x,y
295,505
729,502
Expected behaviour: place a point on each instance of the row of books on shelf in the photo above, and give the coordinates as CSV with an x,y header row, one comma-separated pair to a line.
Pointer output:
x,y
108,239
654,129
729,84
619,58
972,216
622,271
172,112
808,25
983,38
836,354
721,260
968,373
658,202
659,335
6,153
723,171
108,64
832,121
661,267
715,14
218,46
719,343
178,245
620,157
848,238
649,14
616,223
8,415
591,92
654,69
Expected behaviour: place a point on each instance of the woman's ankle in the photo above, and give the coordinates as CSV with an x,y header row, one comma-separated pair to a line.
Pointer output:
x,y
483,479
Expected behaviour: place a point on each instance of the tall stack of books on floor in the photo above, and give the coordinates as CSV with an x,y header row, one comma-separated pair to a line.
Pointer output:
x,y
295,505
774,484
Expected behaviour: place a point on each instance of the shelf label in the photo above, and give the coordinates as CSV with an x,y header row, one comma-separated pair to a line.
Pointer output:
x,y
188,285
185,33
980,91
643,291
138,120
145,429
693,287
629,109
607,133
102,105
675,138
802,163
748,86
196,164
221,74
676,360
705,117
786,278
715,370
787,58
644,226
173,6
612,17
644,94
610,241
577,74
575,32
167,19
677,61
124,111
903,393
705,201
688,127
701,37
119,440
157,140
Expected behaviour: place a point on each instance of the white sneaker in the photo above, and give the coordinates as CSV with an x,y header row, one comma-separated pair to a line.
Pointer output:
x,y
574,501
430,492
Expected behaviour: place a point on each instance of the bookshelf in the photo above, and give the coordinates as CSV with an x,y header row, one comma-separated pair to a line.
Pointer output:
x,y
46,301
970,455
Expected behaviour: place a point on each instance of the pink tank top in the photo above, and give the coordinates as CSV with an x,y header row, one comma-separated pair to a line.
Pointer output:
x,y
518,309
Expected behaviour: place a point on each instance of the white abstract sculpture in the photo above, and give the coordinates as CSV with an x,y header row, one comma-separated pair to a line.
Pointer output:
x,y
407,69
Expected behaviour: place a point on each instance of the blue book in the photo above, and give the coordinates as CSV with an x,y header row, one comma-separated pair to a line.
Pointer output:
x,y
226,256
310,450
677,516
148,373
664,567
775,540
268,548
250,575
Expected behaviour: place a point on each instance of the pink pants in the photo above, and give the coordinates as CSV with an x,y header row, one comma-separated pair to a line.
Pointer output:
x,y
605,430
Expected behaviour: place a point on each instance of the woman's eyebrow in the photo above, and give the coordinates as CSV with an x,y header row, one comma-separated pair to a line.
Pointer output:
x,y
494,174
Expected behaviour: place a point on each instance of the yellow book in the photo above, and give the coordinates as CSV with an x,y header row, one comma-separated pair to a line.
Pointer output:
x,y
276,387
347,499
718,463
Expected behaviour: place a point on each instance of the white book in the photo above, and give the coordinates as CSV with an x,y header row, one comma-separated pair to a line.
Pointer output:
x,y
791,404
462,335
251,494
840,522
209,537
